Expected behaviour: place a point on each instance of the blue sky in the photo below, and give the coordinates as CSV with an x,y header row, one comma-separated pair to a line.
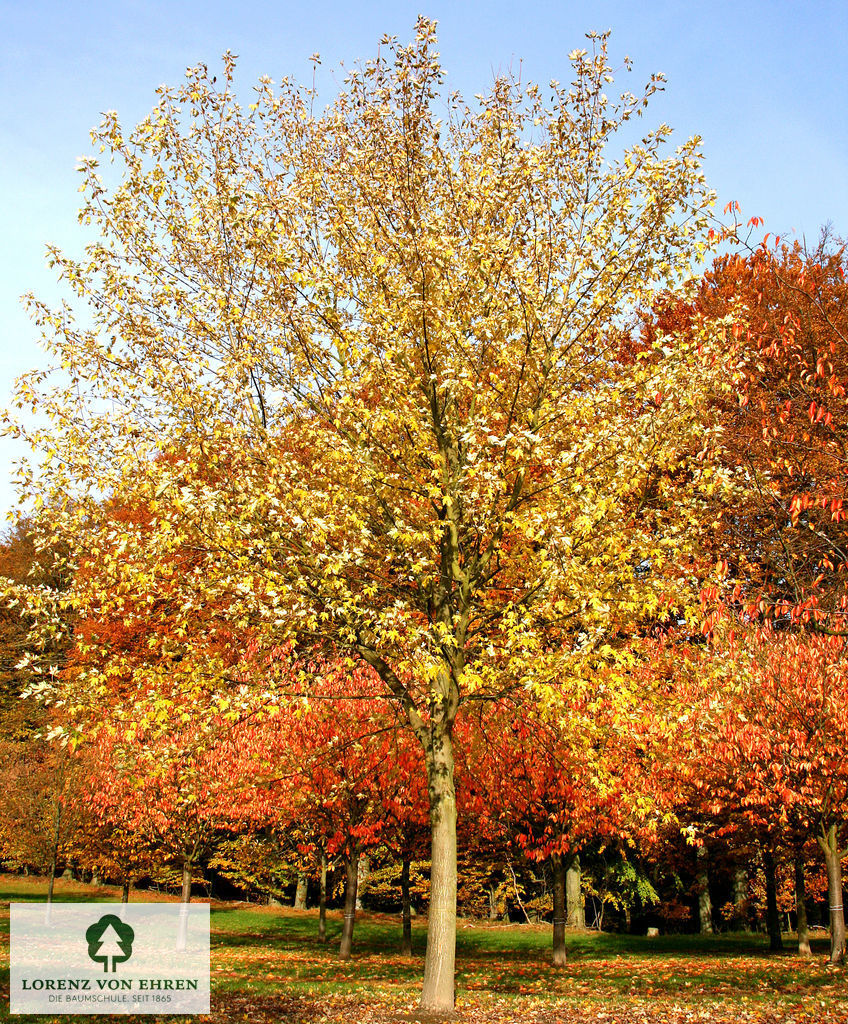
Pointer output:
x,y
764,83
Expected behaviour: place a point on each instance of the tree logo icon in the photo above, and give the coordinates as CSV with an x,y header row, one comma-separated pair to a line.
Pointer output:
x,y
109,941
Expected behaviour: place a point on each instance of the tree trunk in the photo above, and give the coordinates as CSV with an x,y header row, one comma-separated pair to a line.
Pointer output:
x,y
740,897
322,901
829,842
182,932
406,947
300,892
574,896
352,869
186,890
740,884
54,853
364,870
705,906
559,872
437,994
772,913
125,891
801,907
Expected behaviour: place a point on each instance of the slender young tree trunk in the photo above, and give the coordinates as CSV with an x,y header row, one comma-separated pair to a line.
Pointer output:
x,y
186,889
559,872
801,907
493,908
437,994
300,892
125,898
322,901
352,870
829,842
740,896
182,933
772,913
54,853
574,896
364,870
705,906
406,946
740,884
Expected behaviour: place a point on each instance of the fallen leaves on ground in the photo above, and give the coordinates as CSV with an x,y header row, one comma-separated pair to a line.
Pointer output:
x,y
348,1010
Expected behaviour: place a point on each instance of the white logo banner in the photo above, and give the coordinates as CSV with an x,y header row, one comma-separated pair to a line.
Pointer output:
x,y
109,958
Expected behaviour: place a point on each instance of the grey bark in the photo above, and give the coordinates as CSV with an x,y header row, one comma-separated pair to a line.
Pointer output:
x,y
574,896
829,842
300,892
322,901
182,932
740,896
740,884
437,994
705,906
559,873
54,853
406,945
434,734
186,886
362,879
801,907
351,880
772,913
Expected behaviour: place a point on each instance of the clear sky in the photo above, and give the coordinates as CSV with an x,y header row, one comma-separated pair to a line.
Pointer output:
x,y
763,82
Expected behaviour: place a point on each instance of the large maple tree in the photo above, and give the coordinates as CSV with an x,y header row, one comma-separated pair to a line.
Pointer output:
x,y
367,370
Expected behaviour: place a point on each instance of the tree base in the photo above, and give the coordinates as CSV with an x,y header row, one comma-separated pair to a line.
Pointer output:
x,y
430,1016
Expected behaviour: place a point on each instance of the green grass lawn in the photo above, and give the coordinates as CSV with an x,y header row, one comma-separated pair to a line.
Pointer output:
x,y
268,966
